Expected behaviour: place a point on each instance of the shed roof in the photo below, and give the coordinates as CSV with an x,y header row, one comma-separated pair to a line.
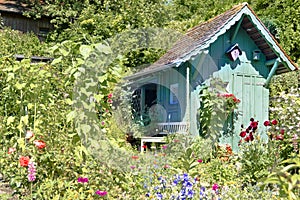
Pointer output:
x,y
12,6
198,38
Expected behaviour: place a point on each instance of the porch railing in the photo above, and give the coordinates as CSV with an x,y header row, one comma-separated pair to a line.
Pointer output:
x,y
172,127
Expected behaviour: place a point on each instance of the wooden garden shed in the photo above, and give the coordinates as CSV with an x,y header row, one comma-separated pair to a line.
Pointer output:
x,y
11,13
235,47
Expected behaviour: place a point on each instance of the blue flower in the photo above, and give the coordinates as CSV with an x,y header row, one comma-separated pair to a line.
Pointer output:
x,y
190,193
175,182
147,194
159,195
189,185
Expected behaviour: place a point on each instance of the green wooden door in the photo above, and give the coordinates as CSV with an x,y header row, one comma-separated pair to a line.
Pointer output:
x,y
254,99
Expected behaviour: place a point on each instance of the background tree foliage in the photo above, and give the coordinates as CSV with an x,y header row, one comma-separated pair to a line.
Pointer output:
x,y
93,21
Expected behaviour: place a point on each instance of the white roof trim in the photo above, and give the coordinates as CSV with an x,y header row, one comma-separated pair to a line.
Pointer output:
x,y
231,22
160,68
267,36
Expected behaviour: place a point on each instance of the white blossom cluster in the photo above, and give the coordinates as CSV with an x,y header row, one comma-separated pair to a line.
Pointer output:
x,y
286,109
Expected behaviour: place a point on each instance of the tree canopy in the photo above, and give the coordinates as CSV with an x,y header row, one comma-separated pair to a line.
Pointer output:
x,y
90,21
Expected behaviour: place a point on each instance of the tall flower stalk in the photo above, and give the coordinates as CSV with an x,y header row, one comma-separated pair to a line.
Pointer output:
x,y
31,171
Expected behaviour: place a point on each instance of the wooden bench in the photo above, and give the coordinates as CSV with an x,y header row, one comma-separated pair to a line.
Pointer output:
x,y
164,129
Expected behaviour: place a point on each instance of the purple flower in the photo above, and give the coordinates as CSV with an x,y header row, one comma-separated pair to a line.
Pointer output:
x,y
101,193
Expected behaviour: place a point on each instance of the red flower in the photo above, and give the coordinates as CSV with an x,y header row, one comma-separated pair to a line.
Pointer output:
x,y
282,131
243,134
247,139
39,144
254,124
109,95
236,100
144,146
134,157
251,137
24,160
200,161
279,137
267,123
274,122
11,150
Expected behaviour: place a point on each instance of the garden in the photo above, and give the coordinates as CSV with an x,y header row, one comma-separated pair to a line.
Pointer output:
x,y
59,143
44,154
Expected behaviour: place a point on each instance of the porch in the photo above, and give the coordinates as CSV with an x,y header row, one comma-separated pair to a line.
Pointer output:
x,y
164,129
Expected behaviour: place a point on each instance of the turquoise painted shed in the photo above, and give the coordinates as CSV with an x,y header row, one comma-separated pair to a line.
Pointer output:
x,y
235,47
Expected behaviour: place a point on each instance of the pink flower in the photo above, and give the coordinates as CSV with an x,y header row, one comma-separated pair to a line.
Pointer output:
x,y
101,193
109,101
267,123
11,150
166,166
200,161
82,180
274,122
215,187
31,171
29,134
109,95
164,146
102,123
39,144
132,167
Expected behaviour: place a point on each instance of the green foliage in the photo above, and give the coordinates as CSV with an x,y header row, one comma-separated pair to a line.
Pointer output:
x,y
288,178
14,42
218,171
287,23
257,160
215,114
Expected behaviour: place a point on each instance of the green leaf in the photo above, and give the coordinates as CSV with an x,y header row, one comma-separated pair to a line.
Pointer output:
x,y
85,51
71,115
10,119
56,60
63,52
20,86
103,48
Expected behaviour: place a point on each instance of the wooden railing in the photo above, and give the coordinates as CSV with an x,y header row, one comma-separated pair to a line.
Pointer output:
x,y
172,127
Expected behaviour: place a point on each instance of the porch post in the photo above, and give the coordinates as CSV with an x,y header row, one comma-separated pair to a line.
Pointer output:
x,y
187,110
272,72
